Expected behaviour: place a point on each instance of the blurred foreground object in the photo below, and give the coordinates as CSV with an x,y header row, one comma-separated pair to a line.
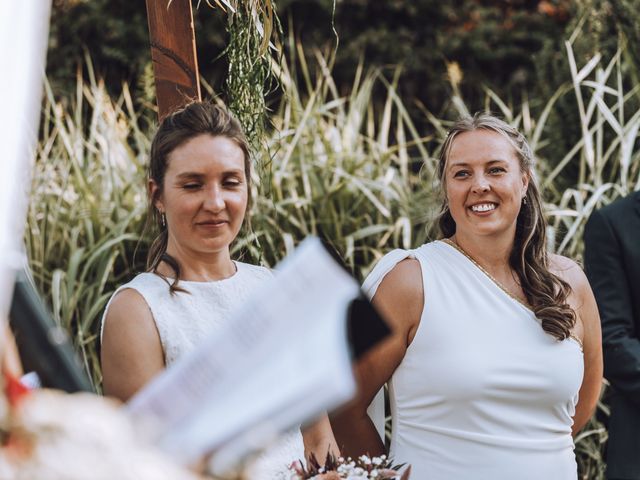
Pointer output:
x,y
44,346
24,28
55,436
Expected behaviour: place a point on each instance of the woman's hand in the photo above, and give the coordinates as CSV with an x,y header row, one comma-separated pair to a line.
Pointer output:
x,y
319,440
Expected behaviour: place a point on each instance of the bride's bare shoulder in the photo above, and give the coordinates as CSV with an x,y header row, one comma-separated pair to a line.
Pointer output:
x,y
568,270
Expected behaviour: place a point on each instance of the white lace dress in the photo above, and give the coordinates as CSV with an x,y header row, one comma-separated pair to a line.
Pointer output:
x,y
183,320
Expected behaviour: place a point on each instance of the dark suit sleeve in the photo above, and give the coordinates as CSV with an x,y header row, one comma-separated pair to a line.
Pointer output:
x,y
606,273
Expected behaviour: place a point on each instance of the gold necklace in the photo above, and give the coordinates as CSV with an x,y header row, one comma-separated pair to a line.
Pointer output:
x,y
499,285
448,241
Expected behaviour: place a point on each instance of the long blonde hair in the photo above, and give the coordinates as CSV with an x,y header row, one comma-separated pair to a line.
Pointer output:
x,y
546,293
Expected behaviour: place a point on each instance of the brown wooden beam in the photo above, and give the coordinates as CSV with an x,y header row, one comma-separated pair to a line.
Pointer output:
x,y
173,52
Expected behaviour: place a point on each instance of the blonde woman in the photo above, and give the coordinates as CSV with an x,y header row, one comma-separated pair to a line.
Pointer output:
x,y
495,360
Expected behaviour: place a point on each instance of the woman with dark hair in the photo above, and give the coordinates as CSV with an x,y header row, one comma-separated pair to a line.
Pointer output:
x,y
199,191
495,360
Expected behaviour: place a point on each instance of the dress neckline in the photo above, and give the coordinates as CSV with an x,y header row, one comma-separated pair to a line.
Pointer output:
x,y
456,247
207,282
487,274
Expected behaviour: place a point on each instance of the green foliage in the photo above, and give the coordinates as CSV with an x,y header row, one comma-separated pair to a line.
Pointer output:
x,y
626,14
605,160
249,73
492,41
86,209
114,31
596,28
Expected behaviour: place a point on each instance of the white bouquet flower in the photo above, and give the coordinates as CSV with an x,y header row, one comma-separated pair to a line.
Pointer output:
x,y
363,468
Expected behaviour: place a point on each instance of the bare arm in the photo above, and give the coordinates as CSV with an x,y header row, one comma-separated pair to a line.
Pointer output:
x,y
588,330
131,349
592,344
400,300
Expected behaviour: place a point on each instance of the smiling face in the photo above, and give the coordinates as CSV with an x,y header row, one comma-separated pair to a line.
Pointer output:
x,y
484,184
204,195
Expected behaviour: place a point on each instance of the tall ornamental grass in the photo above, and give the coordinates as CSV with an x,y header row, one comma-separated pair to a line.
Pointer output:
x,y
351,169
86,208
606,165
607,156
338,168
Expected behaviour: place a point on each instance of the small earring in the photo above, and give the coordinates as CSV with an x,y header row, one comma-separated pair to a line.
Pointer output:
x,y
163,220
524,200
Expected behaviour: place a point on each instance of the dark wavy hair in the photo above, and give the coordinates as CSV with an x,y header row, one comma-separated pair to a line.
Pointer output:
x,y
546,292
192,120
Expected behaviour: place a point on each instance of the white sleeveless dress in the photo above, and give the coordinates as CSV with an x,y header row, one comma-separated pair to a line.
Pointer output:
x,y
482,392
183,320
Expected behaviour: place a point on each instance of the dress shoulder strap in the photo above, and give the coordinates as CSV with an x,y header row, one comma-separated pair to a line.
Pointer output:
x,y
382,268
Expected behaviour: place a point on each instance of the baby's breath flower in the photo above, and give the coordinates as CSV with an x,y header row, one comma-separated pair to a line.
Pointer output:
x,y
363,468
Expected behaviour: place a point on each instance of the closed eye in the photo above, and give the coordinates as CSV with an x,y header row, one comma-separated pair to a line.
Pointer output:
x,y
232,180
191,186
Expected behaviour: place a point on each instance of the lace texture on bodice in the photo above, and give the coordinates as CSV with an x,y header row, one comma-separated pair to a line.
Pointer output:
x,y
185,319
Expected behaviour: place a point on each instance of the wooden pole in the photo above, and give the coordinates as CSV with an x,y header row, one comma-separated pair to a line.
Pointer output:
x,y
173,52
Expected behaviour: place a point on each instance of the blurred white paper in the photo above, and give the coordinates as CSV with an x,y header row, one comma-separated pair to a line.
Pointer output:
x,y
24,27
280,361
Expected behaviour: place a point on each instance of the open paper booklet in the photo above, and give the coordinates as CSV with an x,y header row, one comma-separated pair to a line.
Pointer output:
x,y
283,359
